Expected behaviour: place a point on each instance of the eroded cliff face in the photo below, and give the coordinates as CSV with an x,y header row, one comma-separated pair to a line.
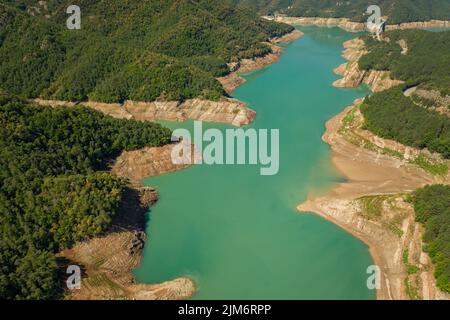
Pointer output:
x,y
417,25
395,241
353,76
233,80
226,110
351,26
230,111
430,99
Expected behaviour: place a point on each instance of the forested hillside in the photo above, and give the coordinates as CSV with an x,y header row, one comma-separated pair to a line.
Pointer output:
x,y
51,190
397,10
390,114
426,62
432,208
135,49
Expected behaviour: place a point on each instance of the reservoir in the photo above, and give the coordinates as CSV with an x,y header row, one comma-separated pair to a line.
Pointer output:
x,y
237,233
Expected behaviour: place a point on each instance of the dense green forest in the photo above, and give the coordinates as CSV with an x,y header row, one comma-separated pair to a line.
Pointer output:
x,y
389,114
397,10
432,207
135,49
426,63
52,189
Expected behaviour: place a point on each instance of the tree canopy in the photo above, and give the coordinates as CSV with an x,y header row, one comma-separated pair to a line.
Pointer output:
x,y
397,10
52,190
137,49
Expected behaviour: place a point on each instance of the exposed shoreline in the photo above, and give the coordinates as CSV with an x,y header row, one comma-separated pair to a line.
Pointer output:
x,y
227,110
375,173
353,76
233,80
351,26
379,172
107,261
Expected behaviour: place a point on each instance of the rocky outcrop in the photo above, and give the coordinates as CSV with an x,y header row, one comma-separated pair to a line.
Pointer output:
x,y
229,111
115,110
353,76
394,239
351,26
233,80
226,110
148,162
136,245
249,65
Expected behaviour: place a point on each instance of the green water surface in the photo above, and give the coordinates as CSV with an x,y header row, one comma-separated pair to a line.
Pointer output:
x,y
237,233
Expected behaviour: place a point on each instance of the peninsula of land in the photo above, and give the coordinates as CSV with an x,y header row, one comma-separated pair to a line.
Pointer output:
x,y
108,260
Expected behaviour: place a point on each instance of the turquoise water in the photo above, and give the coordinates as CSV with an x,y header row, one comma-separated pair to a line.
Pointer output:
x,y
238,234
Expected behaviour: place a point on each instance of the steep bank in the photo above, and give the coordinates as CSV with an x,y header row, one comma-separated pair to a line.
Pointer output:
x,y
351,26
233,80
371,204
353,76
226,110
107,261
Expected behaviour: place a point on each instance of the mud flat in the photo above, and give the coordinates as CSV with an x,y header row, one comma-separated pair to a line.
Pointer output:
x,y
107,261
372,204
